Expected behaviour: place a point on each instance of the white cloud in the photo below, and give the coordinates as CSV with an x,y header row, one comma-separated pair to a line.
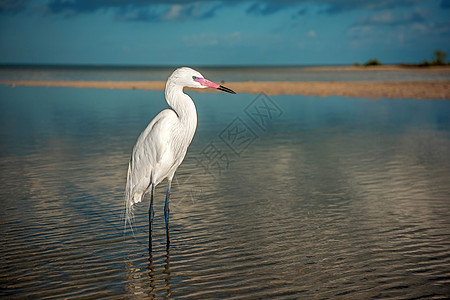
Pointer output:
x,y
173,12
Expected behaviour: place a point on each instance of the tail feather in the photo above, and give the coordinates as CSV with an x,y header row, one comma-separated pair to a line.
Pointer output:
x,y
129,201
134,193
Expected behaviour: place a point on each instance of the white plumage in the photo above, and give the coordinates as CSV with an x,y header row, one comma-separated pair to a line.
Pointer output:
x,y
162,146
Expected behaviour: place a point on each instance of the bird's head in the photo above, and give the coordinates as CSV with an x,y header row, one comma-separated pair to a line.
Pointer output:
x,y
191,78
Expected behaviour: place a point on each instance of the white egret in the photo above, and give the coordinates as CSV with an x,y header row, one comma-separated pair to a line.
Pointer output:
x,y
161,147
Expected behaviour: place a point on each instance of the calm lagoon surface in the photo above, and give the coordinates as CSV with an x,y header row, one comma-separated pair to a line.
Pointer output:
x,y
278,197
268,73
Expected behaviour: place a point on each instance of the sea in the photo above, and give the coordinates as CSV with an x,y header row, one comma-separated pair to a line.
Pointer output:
x,y
279,197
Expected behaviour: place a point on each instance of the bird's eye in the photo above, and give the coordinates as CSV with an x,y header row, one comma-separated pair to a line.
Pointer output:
x,y
194,77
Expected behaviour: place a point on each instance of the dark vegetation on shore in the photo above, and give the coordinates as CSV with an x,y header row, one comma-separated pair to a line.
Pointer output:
x,y
439,59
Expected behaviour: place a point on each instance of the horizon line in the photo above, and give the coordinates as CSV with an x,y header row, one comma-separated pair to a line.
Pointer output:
x,y
163,66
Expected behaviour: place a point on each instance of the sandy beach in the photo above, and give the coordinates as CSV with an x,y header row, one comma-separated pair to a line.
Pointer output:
x,y
372,90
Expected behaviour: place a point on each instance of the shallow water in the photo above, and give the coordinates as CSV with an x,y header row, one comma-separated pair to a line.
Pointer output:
x,y
314,198
226,74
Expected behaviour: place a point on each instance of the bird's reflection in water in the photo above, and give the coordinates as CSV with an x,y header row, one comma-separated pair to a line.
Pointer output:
x,y
152,274
167,271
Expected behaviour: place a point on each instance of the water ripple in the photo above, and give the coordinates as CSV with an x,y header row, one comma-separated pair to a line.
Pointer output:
x,y
317,209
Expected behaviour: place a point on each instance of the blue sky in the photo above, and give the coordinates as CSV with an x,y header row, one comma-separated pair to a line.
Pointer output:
x,y
139,32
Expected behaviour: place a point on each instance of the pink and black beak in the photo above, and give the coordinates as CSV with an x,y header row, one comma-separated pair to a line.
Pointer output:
x,y
206,82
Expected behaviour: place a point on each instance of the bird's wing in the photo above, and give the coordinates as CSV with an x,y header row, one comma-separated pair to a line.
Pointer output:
x,y
152,153
153,144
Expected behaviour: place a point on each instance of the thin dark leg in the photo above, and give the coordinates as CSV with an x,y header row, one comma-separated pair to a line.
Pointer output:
x,y
166,212
151,214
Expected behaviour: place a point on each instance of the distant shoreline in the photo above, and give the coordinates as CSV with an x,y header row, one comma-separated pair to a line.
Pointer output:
x,y
399,67
359,89
384,67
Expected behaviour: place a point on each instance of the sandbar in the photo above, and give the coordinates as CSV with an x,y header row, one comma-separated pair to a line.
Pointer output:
x,y
359,89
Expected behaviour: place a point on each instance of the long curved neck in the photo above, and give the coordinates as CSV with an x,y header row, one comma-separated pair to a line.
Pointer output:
x,y
182,104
